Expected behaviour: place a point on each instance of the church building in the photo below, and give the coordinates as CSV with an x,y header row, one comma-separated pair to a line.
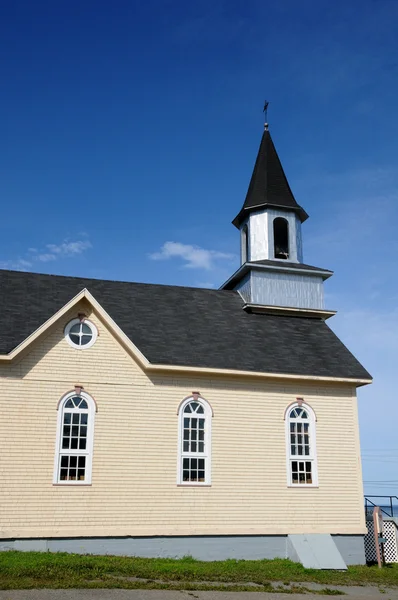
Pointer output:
x,y
157,420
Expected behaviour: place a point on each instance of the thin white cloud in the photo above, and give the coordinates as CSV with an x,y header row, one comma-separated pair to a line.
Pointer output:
x,y
20,264
49,253
194,256
65,249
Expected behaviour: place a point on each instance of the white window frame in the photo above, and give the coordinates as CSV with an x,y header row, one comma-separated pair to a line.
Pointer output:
x,y
312,457
93,328
207,415
88,452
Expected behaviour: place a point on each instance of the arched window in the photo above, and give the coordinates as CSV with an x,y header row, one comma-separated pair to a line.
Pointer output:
x,y
245,244
301,446
281,238
194,442
74,444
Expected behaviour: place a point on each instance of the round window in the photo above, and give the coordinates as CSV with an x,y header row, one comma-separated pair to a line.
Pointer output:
x,y
81,334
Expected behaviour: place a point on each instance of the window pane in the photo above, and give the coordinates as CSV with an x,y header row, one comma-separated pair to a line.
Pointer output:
x,y
81,462
186,423
82,443
193,435
304,415
73,443
83,404
193,446
75,339
65,443
66,429
83,419
86,328
200,410
83,431
201,423
187,409
67,418
201,435
85,339
75,328
186,446
75,418
69,404
201,447
194,423
194,406
75,430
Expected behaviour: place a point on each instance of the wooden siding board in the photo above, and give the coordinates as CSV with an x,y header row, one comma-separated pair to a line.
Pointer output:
x,y
134,489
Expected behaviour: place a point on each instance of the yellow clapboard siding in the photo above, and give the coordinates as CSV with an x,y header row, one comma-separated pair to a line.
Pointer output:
x,y
134,489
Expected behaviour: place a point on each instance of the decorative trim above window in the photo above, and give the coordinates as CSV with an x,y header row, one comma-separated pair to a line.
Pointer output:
x,y
81,333
301,455
194,442
74,440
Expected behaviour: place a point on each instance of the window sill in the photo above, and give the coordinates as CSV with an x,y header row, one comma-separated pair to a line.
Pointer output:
x,y
72,484
303,485
197,485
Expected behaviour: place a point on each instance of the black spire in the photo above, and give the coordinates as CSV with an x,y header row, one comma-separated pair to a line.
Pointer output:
x,y
268,185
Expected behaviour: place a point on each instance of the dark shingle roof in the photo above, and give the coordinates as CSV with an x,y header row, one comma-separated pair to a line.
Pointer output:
x,y
181,326
268,185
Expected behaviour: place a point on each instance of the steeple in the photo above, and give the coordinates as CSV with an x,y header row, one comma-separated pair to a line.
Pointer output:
x,y
272,276
268,186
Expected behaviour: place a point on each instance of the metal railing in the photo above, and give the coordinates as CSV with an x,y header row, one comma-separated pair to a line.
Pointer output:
x,y
386,507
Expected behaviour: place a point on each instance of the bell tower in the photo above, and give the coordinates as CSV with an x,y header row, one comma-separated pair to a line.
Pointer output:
x,y
272,274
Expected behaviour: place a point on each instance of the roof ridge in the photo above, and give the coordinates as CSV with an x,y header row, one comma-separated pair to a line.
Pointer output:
x,y
97,279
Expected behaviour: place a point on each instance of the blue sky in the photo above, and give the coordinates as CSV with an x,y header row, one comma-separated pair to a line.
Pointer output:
x,y
129,125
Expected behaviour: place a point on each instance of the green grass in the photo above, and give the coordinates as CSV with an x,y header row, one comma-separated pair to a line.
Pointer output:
x,y
24,570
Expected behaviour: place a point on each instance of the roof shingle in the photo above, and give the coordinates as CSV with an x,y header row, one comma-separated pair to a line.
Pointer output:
x,y
182,326
268,185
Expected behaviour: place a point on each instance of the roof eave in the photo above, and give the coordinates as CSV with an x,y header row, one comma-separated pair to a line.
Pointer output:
x,y
246,210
